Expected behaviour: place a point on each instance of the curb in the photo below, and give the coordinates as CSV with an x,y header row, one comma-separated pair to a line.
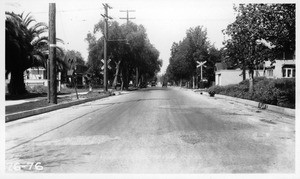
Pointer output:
x,y
273,108
23,114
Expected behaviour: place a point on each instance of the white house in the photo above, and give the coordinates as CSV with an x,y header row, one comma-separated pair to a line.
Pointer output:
x,y
279,69
35,76
229,77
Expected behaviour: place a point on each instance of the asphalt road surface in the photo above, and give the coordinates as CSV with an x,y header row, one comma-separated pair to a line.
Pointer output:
x,y
155,130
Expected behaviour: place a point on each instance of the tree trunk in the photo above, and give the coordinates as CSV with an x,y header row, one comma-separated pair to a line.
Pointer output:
x,y
244,71
136,77
251,81
251,85
126,79
116,75
17,85
193,82
122,81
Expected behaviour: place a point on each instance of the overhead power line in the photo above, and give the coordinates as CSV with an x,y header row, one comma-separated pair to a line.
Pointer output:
x,y
71,10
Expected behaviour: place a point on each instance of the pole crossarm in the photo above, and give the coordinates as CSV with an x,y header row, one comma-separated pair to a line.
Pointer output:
x,y
106,16
127,15
106,5
127,10
127,18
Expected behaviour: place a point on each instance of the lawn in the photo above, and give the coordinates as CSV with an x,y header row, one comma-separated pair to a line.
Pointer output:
x,y
43,102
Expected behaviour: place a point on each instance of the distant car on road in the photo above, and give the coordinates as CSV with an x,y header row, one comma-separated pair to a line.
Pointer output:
x,y
153,83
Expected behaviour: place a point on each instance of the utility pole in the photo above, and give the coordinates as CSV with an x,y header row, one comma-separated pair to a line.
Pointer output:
x,y
52,54
105,16
48,78
127,18
127,13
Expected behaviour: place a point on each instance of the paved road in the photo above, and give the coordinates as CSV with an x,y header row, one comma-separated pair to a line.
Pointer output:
x,y
156,130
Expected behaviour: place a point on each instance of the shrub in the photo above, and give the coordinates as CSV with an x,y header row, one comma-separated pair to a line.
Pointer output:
x,y
216,89
279,92
286,92
211,92
239,91
37,89
265,91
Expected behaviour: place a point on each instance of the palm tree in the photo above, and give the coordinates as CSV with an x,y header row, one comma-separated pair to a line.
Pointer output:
x,y
16,52
25,48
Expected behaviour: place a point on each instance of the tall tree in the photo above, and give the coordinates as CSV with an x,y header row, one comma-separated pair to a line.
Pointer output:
x,y
18,50
192,49
75,56
25,47
128,48
95,48
272,24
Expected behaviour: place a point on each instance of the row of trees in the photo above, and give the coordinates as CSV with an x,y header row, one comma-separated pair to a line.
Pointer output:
x,y
185,54
129,50
260,32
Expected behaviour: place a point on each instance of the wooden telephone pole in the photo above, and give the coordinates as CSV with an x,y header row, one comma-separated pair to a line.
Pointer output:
x,y
127,18
52,55
106,17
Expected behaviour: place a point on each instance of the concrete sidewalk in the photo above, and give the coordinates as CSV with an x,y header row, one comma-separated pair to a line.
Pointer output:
x,y
21,101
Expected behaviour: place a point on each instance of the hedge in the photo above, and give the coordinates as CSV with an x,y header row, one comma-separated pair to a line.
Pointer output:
x,y
280,92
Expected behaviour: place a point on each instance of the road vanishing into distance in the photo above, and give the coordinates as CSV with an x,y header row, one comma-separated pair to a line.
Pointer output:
x,y
154,130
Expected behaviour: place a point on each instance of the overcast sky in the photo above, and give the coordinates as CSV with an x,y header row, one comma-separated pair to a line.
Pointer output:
x,y
166,21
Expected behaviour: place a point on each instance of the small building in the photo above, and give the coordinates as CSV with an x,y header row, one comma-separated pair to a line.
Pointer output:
x,y
229,77
279,69
35,77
